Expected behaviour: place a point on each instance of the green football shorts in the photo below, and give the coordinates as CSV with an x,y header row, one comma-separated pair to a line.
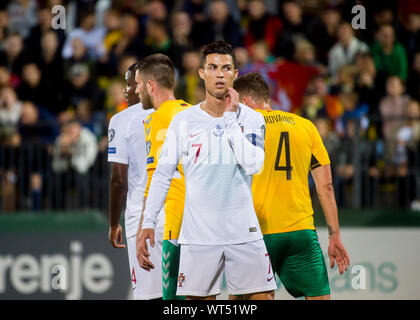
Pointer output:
x,y
170,266
297,259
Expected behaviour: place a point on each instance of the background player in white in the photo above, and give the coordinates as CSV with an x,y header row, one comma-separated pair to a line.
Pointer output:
x,y
221,145
127,153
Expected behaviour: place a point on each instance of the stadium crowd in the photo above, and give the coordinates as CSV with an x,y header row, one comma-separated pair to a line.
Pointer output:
x,y
361,87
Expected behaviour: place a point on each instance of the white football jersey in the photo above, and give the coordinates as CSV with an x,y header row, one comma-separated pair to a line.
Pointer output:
x,y
219,157
127,145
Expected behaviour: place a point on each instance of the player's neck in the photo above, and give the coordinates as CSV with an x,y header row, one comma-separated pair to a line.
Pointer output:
x,y
213,106
162,96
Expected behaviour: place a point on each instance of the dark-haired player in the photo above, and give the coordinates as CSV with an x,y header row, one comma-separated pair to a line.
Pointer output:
x,y
221,145
282,200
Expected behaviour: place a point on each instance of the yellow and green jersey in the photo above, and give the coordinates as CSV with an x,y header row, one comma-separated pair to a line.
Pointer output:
x,y
156,126
280,191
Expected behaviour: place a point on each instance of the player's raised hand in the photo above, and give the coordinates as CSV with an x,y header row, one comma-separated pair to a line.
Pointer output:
x,y
142,249
115,236
232,100
337,253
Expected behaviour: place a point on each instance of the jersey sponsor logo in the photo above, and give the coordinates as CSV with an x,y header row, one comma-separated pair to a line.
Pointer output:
x,y
148,146
181,280
218,131
111,135
112,150
150,160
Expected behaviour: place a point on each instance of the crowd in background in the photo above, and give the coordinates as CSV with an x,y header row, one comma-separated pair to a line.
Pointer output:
x,y
361,87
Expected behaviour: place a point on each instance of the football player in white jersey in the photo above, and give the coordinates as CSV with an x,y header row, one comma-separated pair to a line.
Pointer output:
x,y
221,145
127,154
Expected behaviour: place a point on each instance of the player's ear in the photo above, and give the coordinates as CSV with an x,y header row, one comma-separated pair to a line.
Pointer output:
x,y
150,86
236,73
201,73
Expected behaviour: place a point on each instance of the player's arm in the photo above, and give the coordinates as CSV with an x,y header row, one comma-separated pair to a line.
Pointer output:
x,y
159,186
248,147
325,190
118,186
118,183
321,172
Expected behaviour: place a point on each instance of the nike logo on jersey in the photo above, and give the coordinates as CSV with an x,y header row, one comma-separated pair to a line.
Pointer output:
x,y
193,135
269,279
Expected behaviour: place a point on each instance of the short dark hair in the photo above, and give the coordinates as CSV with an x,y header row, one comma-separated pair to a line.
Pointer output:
x,y
253,85
220,47
160,68
132,68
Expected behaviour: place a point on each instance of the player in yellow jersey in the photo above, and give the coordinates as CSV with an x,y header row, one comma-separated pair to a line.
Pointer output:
x,y
282,200
155,78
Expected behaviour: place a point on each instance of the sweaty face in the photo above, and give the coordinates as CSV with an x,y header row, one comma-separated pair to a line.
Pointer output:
x,y
130,89
141,92
218,74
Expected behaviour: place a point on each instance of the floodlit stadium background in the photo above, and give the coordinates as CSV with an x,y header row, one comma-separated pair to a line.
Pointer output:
x,y
364,102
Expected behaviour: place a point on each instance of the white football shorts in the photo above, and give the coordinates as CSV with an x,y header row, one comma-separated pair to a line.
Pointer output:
x,y
146,284
247,269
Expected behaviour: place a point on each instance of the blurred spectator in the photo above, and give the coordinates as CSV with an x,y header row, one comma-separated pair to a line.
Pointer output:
x,y
32,87
10,112
261,25
389,55
409,36
75,148
115,99
4,77
22,16
91,37
219,26
112,22
368,84
294,27
156,10
330,139
13,56
188,83
158,41
345,50
81,86
323,33
242,59
4,22
181,29
393,107
36,125
352,111
413,81
318,102
130,43
51,64
292,77
44,25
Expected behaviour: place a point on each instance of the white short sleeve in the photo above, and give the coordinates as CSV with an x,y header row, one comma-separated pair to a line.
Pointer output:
x,y
117,141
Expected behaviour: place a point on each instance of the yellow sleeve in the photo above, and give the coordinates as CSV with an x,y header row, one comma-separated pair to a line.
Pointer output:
x,y
319,153
155,130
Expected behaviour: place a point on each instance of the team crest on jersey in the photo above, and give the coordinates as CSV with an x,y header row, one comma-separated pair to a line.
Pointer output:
x,y
148,146
218,131
181,280
111,135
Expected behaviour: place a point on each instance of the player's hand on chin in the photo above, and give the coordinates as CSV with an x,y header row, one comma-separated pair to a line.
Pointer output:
x,y
142,249
232,100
